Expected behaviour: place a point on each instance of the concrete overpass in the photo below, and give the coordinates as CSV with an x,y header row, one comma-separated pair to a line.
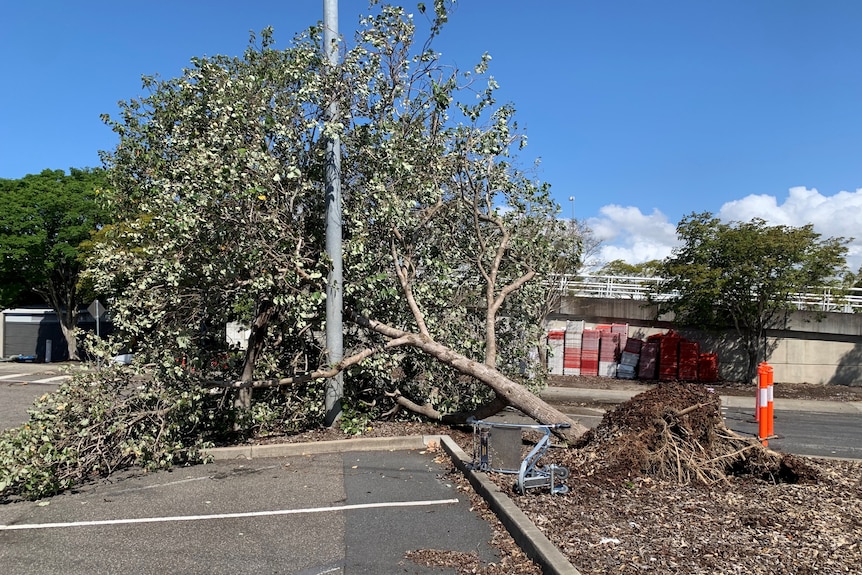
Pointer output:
x,y
819,347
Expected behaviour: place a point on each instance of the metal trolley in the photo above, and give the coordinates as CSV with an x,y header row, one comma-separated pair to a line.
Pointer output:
x,y
497,447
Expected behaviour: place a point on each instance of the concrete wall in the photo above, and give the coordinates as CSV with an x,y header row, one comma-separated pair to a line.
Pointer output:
x,y
819,348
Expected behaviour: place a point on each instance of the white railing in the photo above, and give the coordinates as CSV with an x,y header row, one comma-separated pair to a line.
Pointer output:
x,y
640,288
826,300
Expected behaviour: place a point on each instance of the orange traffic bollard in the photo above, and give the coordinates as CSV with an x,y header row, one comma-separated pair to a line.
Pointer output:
x,y
770,415
764,407
757,394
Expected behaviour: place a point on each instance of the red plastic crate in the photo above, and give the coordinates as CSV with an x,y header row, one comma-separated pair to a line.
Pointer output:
x,y
590,352
633,345
648,365
689,356
668,360
609,347
572,353
708,367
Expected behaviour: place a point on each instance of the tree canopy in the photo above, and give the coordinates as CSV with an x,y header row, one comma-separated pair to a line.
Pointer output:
x,y
742,275
46,222
621,268
218,189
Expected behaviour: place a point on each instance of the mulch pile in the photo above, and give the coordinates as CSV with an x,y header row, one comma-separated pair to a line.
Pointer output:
x,y
675,431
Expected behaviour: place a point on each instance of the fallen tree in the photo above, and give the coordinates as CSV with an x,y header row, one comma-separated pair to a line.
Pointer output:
x,y
216,182
506,391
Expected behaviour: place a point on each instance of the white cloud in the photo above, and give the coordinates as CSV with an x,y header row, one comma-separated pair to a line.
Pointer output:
x,y
839,215
629,235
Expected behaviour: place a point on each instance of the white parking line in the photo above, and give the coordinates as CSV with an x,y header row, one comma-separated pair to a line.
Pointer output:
x,y
13,375
54,379
227,515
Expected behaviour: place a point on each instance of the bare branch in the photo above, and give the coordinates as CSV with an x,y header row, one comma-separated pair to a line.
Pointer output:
x,y
425,409
303,377
408,292
398,339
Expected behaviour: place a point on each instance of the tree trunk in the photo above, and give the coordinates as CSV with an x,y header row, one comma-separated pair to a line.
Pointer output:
x,y
256,337
511,392
67,328
62,297
751,353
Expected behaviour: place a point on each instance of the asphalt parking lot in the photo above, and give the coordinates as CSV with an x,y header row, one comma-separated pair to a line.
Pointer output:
x,y
21,384
351,512
354,512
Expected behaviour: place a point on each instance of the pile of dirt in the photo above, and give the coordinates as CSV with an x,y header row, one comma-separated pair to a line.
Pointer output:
x,y
675,431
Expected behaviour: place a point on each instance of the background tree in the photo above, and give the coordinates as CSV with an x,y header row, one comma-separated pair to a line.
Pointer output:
x,y
46,222
854,280
589,245
649,268
219,175
743,275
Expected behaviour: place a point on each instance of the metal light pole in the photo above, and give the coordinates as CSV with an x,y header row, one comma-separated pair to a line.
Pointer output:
x,y
574,228
332,178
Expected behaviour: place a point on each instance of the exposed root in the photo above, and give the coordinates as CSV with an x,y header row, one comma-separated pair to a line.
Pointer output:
x,y
675,432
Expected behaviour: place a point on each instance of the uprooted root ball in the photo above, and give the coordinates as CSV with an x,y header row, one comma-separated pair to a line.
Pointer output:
x,y
675,432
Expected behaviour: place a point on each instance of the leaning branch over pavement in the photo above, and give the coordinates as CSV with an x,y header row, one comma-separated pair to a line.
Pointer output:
x,y
508,392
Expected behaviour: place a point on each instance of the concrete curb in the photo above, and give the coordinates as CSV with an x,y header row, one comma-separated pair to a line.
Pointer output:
x,y
528,537
316,447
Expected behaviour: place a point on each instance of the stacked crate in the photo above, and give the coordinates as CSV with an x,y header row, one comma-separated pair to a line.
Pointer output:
x,y
572,350
623,330
668,357
590,352
708,367
648,362
689,356
556,344
609,351
629,359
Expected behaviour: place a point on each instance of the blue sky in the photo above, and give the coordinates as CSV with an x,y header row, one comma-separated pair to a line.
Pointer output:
x,y
644,111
